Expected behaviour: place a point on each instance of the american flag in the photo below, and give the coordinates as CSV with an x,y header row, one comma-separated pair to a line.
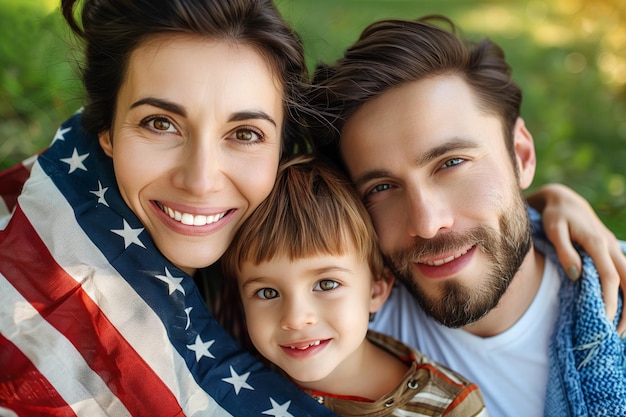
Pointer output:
x,y
94,321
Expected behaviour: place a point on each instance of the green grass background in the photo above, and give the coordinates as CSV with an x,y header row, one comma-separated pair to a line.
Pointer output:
x,y
569,56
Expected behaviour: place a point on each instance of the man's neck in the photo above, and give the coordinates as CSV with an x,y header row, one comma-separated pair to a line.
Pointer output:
x,y
516,299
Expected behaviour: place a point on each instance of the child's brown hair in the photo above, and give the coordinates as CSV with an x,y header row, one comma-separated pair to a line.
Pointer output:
x,y
313,209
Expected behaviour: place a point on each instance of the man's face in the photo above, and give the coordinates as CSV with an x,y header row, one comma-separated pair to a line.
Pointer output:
x,y
442,191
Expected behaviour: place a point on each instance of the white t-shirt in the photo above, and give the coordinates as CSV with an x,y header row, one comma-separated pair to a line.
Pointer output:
x,y
511,368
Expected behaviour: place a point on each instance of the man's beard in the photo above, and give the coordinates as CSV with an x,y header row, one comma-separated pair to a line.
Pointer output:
x,y
459,305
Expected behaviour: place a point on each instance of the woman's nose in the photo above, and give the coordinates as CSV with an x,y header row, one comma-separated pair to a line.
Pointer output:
x,y
200,170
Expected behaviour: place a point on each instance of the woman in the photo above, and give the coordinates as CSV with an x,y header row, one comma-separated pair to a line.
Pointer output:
x,y
190,105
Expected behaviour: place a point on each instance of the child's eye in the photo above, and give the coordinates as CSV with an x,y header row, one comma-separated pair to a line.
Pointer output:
x,y
326,285
267,293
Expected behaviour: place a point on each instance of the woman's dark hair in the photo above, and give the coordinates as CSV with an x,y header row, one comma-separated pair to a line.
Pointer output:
x,y
390,53
113,29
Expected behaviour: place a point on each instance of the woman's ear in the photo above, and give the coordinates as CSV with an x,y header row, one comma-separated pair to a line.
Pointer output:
x,y
381,288
106,143
524,147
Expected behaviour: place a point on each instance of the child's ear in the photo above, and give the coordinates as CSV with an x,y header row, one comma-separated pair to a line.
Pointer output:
x,y
381,288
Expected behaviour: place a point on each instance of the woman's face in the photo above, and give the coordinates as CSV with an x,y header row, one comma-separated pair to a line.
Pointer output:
x,y
195,142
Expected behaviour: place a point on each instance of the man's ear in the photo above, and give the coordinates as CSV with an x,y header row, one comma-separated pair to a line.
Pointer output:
x,y
524,147
381,288
106,143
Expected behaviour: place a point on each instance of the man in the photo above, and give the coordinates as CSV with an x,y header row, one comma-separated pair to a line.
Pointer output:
x,y
430,134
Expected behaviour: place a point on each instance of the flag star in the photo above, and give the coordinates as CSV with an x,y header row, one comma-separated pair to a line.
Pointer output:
x,y
75,161
278,410
60,134
201,348
238,381
172,282
100,194
187,311
130,235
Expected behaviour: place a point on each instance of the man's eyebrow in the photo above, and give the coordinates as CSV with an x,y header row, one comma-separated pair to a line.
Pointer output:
x,y
449,146
162,104
369,176
430,155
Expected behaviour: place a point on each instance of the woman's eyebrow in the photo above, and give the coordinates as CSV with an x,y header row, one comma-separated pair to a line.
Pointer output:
x,y
180,110
247,115
162,104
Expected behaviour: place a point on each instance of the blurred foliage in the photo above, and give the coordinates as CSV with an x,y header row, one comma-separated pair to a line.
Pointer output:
x,y
569,56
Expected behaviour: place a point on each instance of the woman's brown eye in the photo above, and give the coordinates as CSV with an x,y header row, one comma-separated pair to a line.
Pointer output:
x,y
245,135
161,124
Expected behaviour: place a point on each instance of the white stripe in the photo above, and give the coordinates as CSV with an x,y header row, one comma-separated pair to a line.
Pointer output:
x,y
404,413
434,399
451,375
4,212
126,310
4,216
55,357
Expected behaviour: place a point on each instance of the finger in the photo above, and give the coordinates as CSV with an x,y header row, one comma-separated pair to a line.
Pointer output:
x,y
620,263
559,235
621,326
609,277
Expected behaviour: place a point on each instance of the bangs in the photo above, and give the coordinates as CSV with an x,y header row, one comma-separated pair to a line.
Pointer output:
x,y
312,210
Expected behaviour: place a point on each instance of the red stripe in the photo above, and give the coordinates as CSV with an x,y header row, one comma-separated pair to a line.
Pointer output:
x,y
20,379
461,397
440,374
11,182
28,266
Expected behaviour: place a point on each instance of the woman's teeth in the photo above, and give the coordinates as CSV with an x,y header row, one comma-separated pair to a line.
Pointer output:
x,y
190,219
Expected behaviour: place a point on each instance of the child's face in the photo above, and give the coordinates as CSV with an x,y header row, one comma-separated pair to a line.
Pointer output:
x,y
310,316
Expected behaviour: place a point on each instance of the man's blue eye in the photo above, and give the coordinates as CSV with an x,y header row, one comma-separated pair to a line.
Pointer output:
x,y
380,187
452,162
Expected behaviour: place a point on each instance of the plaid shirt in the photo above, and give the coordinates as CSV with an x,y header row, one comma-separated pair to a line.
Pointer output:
x,y
427,389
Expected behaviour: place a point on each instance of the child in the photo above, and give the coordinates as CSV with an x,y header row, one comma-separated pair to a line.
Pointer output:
x,y
309,281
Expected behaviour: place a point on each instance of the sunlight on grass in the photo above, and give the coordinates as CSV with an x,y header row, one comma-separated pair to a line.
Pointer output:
x,y
41,6
493,19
